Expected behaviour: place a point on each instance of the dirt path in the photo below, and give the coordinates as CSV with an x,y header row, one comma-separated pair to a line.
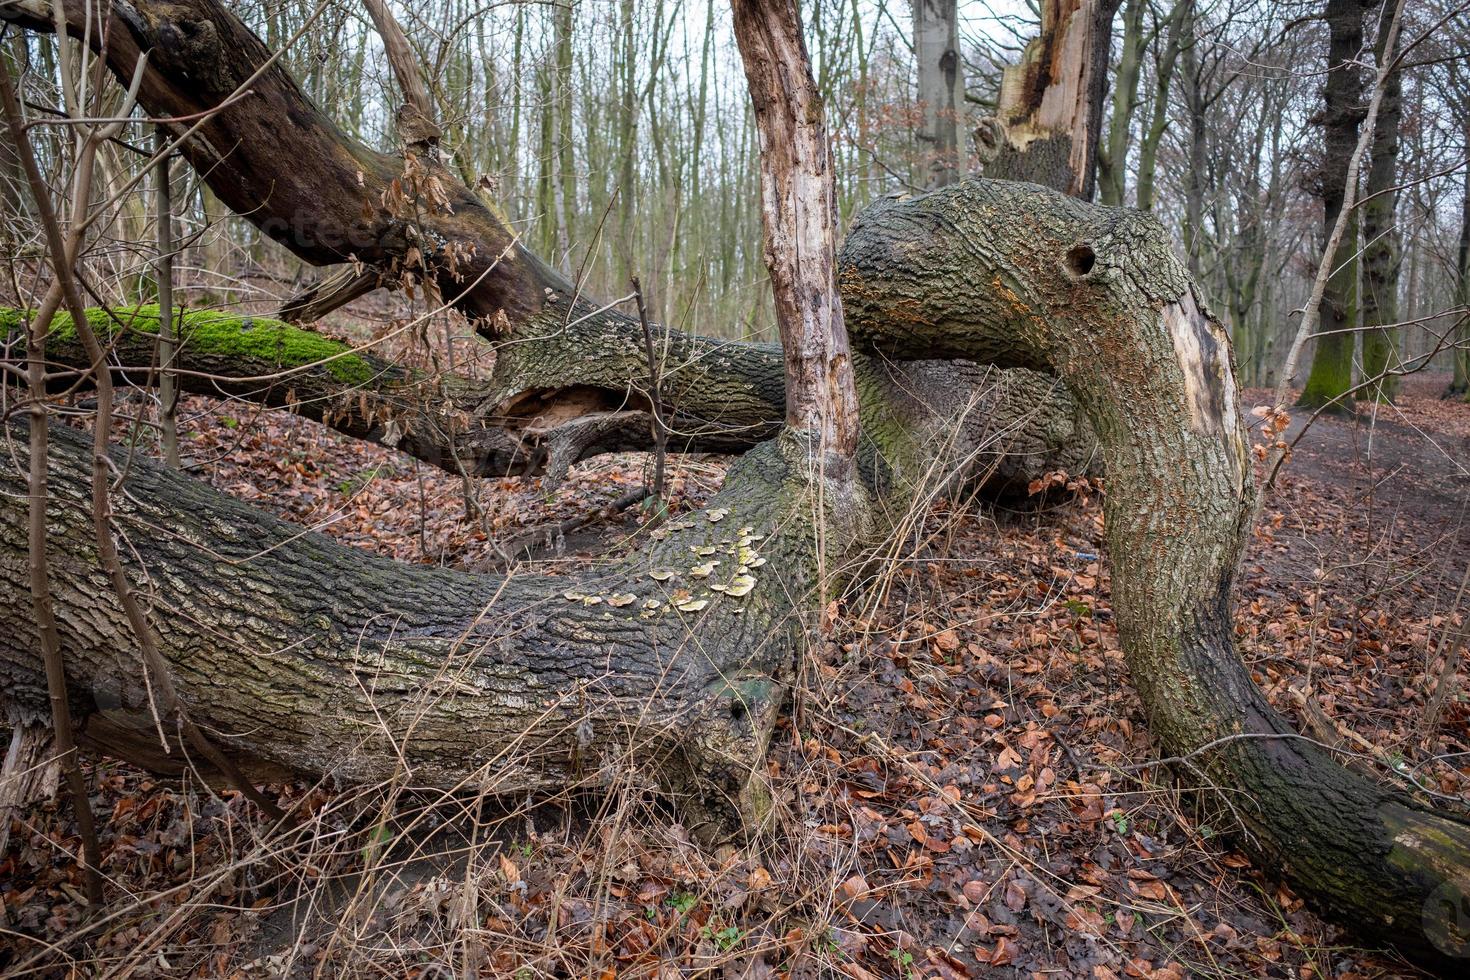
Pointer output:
x,y
1405,467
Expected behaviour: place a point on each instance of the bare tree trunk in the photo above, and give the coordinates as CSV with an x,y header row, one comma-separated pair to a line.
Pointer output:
x,y
1112,157
799,215
941,86
1460,379
1331,376
566,164
164,270
629,99
14,208
1243,278
1381,238
37,493
1148,150
1197,170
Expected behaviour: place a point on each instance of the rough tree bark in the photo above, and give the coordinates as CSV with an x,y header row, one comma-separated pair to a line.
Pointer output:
x,y
1381,237
1331,376
799,220
342,663
1196,172
1008,274
567,397
941,79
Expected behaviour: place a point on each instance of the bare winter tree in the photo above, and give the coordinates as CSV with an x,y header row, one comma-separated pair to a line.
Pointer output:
x,y
941,86
298,655
1331,377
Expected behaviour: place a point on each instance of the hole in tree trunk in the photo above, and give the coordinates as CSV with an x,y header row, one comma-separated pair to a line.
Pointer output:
x,y
1080,260
540,409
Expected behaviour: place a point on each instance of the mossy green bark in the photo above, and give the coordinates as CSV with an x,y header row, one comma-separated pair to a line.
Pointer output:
x,y
1330,383
1460,379
1331,377
1380,357
215,334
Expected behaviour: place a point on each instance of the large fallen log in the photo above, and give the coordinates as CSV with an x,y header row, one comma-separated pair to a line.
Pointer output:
x,y
1016,275
310,657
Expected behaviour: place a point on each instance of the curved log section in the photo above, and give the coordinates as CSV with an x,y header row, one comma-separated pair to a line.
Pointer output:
x,y
1021,276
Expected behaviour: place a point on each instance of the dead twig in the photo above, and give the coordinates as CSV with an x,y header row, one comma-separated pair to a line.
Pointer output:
x,y
61,721
655,397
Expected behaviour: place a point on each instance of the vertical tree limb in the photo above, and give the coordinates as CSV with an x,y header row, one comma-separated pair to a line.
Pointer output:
x,y
1112,154
1311,313
1381,238
164,269
655,398
1148,147
799,215
1346,135
38,573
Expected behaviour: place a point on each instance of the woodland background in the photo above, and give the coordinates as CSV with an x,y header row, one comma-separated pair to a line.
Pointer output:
x,y
618,136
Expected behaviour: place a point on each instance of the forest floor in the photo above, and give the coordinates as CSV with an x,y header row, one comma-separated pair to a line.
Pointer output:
x,y
962,782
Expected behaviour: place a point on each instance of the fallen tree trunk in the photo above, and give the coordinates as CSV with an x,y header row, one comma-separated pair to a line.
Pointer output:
x,y
577,393
337,662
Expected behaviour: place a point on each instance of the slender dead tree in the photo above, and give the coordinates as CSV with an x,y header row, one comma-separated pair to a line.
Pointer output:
x,y
164,270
